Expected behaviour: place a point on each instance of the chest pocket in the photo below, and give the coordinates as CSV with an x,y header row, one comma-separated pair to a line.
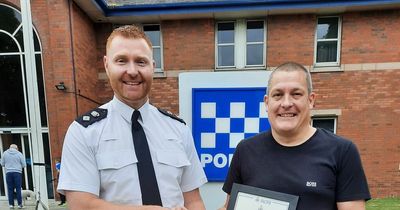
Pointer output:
x,y
171,165
119,182
172,158
115,159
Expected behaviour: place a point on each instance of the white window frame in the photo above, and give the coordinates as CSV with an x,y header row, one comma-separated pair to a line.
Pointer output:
x,y
158,69
334,118
338,39
240,45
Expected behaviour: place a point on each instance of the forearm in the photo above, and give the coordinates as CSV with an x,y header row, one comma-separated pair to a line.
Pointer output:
x,y
87,201
193,200
225,204
351,205
198,205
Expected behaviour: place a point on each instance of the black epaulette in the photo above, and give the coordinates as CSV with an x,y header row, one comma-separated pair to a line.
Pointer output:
x,y
91,117
169,114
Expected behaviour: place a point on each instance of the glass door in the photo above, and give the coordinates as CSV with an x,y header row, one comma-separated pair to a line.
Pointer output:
x,y
21,140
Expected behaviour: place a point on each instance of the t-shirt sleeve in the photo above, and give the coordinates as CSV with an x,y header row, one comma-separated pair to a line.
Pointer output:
x,y
351,181
79,170
193,175
233,175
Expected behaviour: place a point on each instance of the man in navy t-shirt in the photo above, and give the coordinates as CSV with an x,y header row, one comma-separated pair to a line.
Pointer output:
x,y
323,169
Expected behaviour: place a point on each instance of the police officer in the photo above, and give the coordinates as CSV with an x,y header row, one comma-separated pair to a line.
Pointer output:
x,y
106,166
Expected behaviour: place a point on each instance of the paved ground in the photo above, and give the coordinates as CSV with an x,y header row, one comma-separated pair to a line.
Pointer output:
x,y
29,205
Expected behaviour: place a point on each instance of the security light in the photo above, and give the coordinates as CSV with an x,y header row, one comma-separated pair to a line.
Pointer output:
x,y
61,86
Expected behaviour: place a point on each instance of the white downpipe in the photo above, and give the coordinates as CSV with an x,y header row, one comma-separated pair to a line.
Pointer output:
x,y
39,171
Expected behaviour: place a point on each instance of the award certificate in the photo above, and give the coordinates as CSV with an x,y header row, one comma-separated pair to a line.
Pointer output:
x,y
245,197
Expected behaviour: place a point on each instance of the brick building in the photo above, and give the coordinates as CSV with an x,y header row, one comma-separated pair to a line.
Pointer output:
x,y
350,47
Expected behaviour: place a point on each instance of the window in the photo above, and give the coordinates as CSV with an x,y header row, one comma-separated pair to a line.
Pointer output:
x,y
154,33
240,44
16,111
328,123
327,41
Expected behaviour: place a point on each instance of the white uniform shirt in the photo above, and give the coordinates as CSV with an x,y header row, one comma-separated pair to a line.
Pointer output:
x,y
101,159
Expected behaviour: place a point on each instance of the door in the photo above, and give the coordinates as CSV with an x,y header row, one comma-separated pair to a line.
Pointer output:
x,y
21,140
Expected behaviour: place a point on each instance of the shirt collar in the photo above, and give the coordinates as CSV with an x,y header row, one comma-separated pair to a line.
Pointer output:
x,y
126,111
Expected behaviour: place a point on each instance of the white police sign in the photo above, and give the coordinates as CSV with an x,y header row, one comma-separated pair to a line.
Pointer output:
x,y
222,108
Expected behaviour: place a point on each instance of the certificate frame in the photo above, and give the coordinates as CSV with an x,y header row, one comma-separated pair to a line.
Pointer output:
x,y
263,194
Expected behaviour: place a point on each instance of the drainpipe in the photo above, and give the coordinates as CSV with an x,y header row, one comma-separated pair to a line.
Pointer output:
x,y
73,56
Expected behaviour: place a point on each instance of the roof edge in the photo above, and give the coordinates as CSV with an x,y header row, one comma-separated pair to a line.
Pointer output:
x,y
223,6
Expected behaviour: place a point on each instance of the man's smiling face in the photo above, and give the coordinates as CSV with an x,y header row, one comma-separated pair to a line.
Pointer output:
x,y
129,65
289,103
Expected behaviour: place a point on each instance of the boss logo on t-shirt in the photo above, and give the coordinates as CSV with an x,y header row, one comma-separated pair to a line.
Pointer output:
x,y
311,184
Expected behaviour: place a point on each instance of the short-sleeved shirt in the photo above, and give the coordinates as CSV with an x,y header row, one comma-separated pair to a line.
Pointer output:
x,y
322,171
100,159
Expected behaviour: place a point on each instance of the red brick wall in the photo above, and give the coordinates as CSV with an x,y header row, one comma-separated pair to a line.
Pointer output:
x,y
368,100
290,37
54,32
371,37
188,44
104,90
164,94
85,55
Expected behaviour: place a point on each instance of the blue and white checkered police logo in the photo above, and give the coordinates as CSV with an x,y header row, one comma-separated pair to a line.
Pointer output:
x,y
58,166
222,117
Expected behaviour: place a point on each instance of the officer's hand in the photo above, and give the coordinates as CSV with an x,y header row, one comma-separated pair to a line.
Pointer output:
x,y
178,208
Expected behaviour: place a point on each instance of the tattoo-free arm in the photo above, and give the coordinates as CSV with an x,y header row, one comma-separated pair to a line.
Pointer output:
x,y
226,203
82,200
193,200
351,205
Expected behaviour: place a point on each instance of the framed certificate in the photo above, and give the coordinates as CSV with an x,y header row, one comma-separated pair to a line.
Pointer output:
x,y
244,197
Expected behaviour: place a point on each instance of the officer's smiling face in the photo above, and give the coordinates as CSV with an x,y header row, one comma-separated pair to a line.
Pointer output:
x,y
129,65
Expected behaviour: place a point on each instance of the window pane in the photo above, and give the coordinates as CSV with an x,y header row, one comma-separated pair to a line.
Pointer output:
x,y
254,54
154,27
12,106
36,42
226,33
153,32
226,56
157,57
328,124
42,101
255,31
327,28
327,51
18,36
47,161
29,164
7,44
10,19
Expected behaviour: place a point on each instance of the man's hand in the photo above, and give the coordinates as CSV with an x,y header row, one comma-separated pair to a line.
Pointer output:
x,y
178,208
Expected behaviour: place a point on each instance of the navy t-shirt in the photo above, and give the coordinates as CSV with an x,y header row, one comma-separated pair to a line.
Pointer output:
x,y
322,171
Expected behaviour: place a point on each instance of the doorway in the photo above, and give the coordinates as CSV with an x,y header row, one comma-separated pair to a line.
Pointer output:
x,y
21,139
